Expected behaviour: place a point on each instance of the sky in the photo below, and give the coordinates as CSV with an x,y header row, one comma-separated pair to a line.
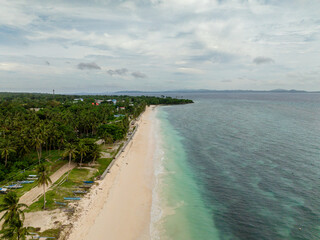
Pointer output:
x,y
152,45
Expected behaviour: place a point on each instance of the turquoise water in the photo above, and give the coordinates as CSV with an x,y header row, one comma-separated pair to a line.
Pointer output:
x,y
180,199
239,166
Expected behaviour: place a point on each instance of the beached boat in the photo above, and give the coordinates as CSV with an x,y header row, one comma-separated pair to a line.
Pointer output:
x,y
85,186
88,181
14,186
3,190
71,198
79,192
32,178
25,182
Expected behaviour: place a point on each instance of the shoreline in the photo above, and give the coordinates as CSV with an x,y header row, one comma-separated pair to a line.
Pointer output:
x,y
119,207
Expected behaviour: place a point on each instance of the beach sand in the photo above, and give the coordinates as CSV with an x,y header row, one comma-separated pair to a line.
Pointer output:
x,y
119,207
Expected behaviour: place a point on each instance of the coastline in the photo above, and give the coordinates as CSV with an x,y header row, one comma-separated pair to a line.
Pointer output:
x,y
119,207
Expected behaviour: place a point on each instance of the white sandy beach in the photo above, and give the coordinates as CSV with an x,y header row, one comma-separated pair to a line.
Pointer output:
x,y
119,207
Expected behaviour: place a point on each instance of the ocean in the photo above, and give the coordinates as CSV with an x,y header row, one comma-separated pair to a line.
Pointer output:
x,y
238,166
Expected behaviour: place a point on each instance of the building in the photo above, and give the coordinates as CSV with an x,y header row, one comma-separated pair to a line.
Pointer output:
x,y
114,101
98,101
77,100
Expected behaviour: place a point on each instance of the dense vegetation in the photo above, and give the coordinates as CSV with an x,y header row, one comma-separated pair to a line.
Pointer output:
x,y
37,123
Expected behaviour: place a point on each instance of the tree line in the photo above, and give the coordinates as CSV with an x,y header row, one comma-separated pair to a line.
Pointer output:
x,y
37,123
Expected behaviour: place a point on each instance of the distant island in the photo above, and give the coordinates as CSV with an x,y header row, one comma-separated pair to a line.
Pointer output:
x,y
216,91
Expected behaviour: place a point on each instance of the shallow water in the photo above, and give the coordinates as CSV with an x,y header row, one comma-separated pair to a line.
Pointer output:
x,y
240,166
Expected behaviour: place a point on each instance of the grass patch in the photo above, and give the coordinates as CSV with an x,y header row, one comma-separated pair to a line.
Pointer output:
x,y
57,193
120,146
55,232
75,179
54,165
103,164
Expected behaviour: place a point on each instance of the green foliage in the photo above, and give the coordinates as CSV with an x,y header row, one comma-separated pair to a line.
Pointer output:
x,y
103,164
39,123
12,209
70,151
57,193
15,231
43,180
6,149
115,130
51,233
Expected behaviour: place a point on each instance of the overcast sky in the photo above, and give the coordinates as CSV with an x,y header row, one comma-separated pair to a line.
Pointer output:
x,y
108,45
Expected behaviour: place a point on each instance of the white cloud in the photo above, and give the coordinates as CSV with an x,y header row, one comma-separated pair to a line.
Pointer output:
x,y
13,14
203,41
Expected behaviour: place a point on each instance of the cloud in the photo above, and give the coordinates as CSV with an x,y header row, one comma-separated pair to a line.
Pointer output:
x,y
84,66
138,75
189,70
212,56
198,40
121,71
262,60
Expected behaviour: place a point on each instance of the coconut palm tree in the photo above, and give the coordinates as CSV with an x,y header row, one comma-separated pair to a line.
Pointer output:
x,y
43,180
15,231
6,150
82,149
107,137
37,142
96,152
12,209
7,233
71,151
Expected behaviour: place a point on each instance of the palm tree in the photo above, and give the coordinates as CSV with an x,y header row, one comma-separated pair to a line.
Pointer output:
x,y
96,152
8,233
37,142
12,209
82,149
61,140
107,137
23,143
43,180
15,231
70,151
6,150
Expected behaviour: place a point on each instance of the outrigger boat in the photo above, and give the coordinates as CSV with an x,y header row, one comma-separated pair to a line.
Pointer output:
x,y
25,182
79,192
3,190
14,186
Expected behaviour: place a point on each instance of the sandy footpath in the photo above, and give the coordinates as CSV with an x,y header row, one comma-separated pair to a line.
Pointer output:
x,y
36,192
119,207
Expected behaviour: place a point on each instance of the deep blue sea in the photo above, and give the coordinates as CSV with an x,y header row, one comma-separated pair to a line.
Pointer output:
x,y
239,166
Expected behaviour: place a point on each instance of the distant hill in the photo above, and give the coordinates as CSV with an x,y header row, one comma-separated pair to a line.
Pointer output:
x,y
212,91
137,92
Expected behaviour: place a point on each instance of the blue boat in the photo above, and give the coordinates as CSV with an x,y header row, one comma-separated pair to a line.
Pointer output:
x,y
88,181
71,198
26,182
79,192
14,186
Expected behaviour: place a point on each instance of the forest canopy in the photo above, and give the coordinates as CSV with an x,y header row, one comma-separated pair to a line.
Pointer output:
x,y
33,123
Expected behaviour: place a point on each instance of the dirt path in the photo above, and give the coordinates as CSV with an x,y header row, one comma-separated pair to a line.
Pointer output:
x,y
32,195
36,192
